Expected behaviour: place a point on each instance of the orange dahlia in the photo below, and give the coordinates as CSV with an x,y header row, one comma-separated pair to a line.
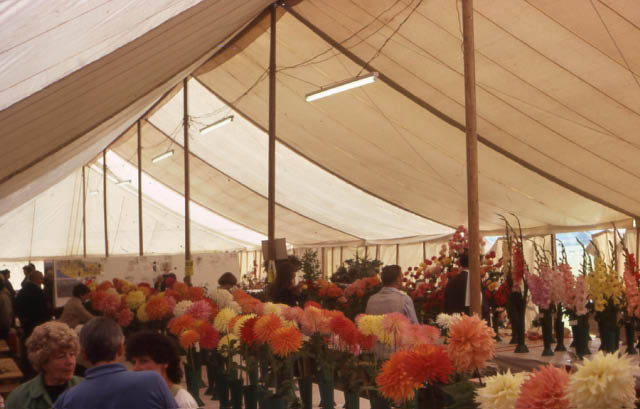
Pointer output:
x,y
471,343
265,326
188,338
182,291
393,380
158,308
545,389
344,328
285,340
196,293
429,363
179,324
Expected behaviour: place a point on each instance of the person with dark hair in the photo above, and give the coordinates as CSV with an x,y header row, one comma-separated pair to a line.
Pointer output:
x,y
456,292
227,281
6,275
27,270
74,312
390,298
30,305
283,289
150,351
108,384
6,311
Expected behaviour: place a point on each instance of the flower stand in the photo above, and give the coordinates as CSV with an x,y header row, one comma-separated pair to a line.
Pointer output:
x,y
547,332
193,380
250,393
559,328
326,394
630,332
235,386
305,384
351,400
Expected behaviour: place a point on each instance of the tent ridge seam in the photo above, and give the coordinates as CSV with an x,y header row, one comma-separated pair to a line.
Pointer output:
x,y
452,121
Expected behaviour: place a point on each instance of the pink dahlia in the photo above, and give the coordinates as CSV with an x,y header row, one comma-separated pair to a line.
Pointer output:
x,y
200,310
545,389
471,343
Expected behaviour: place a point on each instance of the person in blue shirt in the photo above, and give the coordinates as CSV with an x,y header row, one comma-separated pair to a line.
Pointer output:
x,y
108,384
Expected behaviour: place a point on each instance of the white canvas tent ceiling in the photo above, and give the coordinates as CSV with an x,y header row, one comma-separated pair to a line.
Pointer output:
x,y
557,110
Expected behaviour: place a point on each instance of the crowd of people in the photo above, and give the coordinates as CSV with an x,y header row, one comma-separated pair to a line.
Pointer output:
x,y
79,343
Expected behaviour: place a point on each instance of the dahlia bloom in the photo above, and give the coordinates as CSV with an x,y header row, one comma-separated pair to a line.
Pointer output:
x,y
188,338
110,304
141,314
209,337
181,289
395,325
200,310
606,381
471,343
236,328
125,316
178,324
181,307
293,314
247,335
221,323
314,321
420,334
265,326
393,380
546,388
158,307
224,299
500,391
285,341
196,293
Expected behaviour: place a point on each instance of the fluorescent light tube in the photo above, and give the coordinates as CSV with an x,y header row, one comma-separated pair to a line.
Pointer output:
x,y
124,182
216,125
93,192
162,156
342,86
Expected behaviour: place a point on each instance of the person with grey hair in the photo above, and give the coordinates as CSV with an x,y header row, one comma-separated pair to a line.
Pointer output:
x,y
390,298
52,350
108,384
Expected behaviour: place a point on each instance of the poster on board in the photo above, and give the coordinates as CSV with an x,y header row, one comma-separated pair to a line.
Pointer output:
x,y
68,273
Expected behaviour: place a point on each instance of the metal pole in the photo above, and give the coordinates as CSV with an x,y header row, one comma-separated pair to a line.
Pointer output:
x,y
188,266
140,236
104,196
84,214
272,139
472,156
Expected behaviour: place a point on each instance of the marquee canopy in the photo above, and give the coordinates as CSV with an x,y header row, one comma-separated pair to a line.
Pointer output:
x,y
558,106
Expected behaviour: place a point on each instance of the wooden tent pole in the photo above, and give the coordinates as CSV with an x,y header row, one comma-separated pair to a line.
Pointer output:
x,y
84,214
104,202
615,248
188,264
272,140
397,254
554,250
140,236
472,157
637,238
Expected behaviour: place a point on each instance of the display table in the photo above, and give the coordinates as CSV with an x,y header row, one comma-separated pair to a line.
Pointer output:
x,y
4,348
10,375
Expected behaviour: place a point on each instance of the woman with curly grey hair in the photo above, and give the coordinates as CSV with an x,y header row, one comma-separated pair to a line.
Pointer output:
x,y
52,350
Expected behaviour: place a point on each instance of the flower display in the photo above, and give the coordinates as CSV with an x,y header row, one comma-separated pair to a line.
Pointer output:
x,y
141,314
223,319
581,296
104,286
420,334
293,314
471,343
569,283
546,388
178,324
246,332
395,325
195,293
188,338
285,341
265,326
518,267
314,321
271,308
181,291
247,303
393,380
224,299
540,286
605,381
500,391
631,285
604,286
182,307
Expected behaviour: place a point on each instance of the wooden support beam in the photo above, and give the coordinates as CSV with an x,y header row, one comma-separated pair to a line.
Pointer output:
x,y
104,201
472,156
84,214
397,254
188,263
271,215
554,250
140,234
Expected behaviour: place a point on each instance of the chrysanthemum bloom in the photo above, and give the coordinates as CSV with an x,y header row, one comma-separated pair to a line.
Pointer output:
x,y
546,388
246,331
471,343
182,290
429,363
141,314
181,307
227,342
285,340
237,325
314,321
97,300
293,314
158,308
199,310
179,324
345,329
443,320
396,325
500,391
606,381
104,286
221,323
393,380
135,299
420,334
144,289
196,293
125,316
172,293
209,337
188,338
111,304
265,326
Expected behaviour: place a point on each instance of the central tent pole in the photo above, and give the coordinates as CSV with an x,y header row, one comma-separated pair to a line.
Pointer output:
x,y
104,197
84,214
140,237
188,263
472,157
272,148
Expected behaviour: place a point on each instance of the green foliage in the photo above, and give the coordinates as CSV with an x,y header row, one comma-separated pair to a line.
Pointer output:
x,y
460,395
311,266
355,269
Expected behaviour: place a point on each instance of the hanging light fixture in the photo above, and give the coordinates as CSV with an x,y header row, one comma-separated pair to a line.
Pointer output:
x,y
162,156
222,122
342,86
123,182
